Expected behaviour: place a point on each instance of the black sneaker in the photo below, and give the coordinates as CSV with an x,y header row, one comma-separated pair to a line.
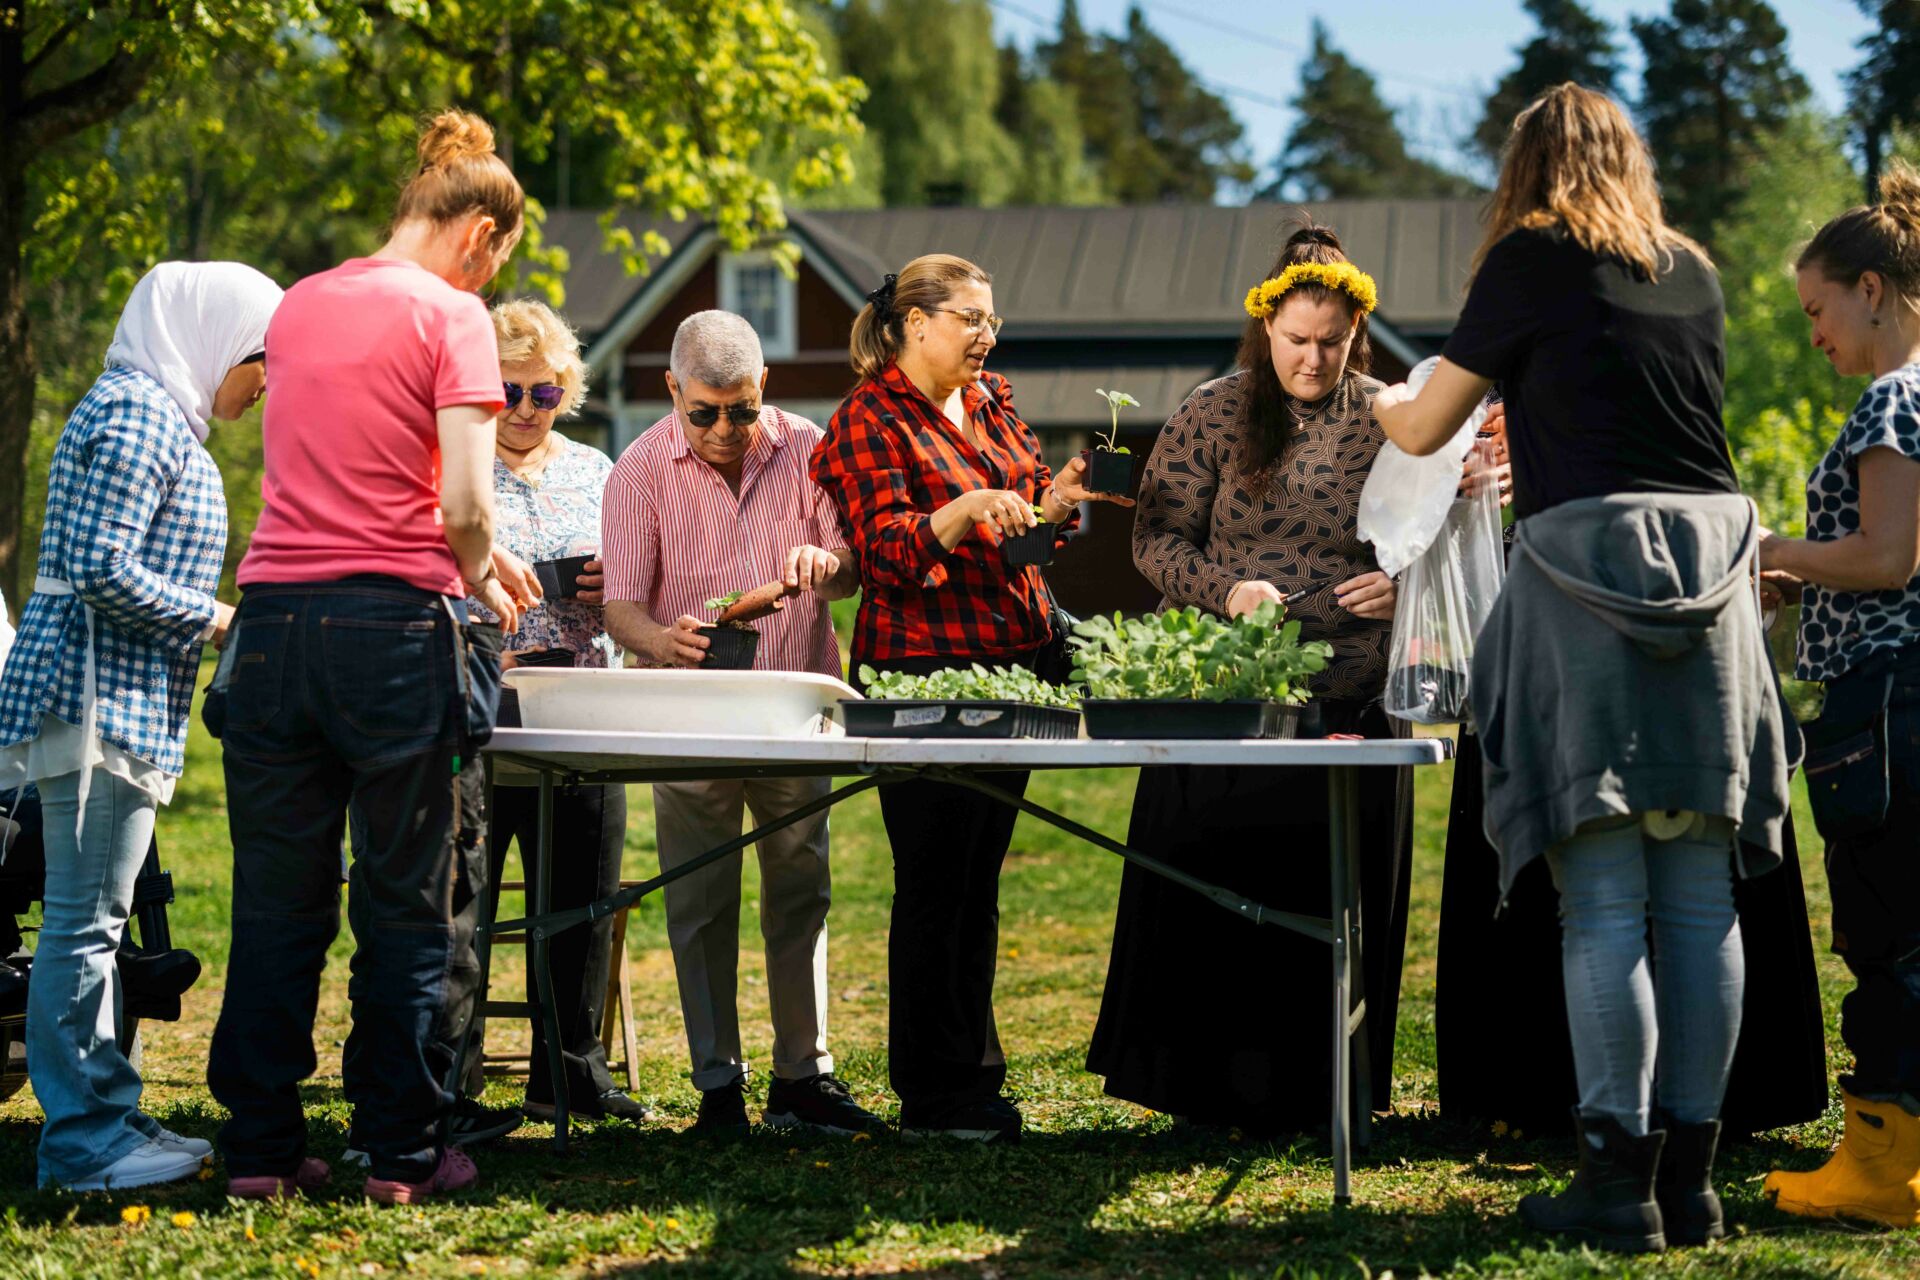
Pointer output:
x,y
723,1110
987,1120
612,1103
473,1124
818,1102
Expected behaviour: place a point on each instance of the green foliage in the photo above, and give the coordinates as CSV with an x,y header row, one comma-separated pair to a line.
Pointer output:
x,y
1884,90
973,683
1188,654
1347,144
1717,81
1570,44
723,602
1116,400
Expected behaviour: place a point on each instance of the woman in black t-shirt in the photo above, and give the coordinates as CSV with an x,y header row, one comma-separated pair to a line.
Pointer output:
x,y
1643,728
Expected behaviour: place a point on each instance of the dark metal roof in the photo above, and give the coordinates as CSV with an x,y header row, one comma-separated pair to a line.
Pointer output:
x,y
1063,272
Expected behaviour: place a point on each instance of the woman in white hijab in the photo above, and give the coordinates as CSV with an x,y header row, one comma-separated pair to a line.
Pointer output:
x,y
95,692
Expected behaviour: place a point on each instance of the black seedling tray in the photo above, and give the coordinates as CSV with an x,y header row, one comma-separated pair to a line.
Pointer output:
x,y
732,648
933,718
1035,546
1166,718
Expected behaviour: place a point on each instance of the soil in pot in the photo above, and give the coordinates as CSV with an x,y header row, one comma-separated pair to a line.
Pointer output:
x,y
732,648
1035,546
1110,472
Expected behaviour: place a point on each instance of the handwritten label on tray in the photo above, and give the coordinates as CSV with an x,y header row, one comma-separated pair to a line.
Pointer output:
x,y
914,717
974,717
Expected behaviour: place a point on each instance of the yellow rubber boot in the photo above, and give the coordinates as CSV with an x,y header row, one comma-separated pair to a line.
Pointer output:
x,y
1874,1175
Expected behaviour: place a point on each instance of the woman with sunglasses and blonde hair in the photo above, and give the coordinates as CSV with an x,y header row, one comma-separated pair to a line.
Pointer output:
x,y
1629,718
932,468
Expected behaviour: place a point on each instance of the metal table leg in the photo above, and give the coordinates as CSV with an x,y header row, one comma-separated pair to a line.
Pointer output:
x,y
1343,867
539,946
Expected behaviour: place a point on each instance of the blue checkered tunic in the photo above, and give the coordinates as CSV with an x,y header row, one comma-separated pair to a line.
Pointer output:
x,y
137,523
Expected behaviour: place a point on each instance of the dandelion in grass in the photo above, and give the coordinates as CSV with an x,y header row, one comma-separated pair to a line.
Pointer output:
x,y
135,1214
1499,1128
183,1219
823,1164
671,1224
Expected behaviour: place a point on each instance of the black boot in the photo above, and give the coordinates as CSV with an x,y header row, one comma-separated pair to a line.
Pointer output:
x,y
1610,1202
1689,1206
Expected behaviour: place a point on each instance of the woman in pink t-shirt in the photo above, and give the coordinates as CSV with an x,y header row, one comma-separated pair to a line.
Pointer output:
x,y
350,684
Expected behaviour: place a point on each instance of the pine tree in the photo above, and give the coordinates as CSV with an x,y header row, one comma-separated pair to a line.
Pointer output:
x,y
1571,44
1885,87
1347,143
1042,118
1717,81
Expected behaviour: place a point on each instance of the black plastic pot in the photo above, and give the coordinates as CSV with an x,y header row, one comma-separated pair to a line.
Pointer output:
x,y
1110,472
732,648
1169,718
1439,692
977,718
1035,546
560,579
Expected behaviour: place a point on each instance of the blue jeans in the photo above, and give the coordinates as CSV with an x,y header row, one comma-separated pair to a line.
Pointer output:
x,y
348,693
86,1087
1662,1024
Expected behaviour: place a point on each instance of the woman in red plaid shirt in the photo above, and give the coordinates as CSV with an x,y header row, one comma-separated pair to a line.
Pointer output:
x,y
931,467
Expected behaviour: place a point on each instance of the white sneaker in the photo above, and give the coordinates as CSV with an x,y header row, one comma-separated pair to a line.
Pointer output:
x,y
199,1148
145,1165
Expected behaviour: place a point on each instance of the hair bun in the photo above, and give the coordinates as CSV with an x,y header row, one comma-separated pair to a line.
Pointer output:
x,y
1311,232
1900,190
453,136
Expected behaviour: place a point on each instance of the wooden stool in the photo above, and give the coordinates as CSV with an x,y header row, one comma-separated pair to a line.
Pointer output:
x,y
619,999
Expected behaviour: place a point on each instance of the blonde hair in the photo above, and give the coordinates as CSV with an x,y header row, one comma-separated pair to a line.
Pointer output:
x,y
926,283
1573,161
1883,238
459,174
530,333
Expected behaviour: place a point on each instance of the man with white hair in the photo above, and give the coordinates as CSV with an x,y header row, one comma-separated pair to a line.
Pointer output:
x,y
714,498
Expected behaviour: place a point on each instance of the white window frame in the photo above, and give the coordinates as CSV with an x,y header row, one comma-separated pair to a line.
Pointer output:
x,y
775,346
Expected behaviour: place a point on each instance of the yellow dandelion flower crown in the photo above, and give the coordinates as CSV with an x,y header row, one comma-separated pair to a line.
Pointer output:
x,y
1264,297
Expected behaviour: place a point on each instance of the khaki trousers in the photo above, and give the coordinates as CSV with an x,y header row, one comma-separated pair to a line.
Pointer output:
x,y
703,921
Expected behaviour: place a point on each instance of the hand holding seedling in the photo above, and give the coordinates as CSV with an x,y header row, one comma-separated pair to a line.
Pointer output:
x,y
680,645
1070,488
1004,509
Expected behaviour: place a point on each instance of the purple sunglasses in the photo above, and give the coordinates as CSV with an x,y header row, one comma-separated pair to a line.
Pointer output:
x,y
546,395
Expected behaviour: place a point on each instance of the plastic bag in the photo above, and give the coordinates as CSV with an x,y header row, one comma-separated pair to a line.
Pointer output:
x,y
1407,499
1445,597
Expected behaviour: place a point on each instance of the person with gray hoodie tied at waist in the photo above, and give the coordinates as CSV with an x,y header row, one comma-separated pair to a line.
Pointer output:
x,y
1631,722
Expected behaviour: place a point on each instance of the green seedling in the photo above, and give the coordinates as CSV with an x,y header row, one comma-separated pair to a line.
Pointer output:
x,y
1189,655
1115,401
973,683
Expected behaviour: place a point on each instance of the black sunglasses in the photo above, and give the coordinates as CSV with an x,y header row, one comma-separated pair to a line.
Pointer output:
x,y
546,395
741,416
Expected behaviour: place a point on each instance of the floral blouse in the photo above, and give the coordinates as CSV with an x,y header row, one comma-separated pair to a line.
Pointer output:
x,y
1201,528
554,515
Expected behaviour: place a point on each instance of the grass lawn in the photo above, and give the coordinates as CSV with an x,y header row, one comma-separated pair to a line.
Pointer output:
x,y
1098,1187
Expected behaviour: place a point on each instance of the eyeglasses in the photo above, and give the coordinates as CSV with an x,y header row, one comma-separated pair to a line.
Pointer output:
x,y
973,318
546,396
741,416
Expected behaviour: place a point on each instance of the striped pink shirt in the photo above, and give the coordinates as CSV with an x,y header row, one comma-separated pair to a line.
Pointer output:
x,y
675,536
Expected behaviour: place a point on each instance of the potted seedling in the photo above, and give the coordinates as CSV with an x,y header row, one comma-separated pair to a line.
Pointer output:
x,y
1110,464
733,642
962,702
1031,546
1187,674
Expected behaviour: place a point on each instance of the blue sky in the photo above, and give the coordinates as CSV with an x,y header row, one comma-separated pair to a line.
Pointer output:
x,y
1435,60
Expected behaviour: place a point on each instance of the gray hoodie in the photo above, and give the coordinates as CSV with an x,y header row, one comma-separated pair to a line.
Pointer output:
x,y
1624,669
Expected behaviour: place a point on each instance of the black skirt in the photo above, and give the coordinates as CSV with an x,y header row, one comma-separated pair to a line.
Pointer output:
x,y
1500,1011
1209,1016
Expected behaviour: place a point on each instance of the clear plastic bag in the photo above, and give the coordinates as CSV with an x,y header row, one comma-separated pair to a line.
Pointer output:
x,y
1446,594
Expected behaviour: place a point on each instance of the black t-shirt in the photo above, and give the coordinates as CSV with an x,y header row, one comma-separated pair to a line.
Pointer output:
x,y
1613,383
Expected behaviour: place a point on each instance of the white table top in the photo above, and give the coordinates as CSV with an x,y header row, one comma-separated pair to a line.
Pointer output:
x,y
586,751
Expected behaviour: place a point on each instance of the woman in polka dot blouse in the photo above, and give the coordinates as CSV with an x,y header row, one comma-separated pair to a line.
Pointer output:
x,y
1857,576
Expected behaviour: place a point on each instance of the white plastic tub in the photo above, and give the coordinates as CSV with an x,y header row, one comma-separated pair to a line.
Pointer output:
x,y
776,704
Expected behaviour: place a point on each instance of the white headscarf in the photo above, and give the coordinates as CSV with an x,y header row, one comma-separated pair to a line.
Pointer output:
x,y
188,324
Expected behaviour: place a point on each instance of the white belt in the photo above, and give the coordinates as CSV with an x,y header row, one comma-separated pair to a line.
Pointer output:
x,y
89,697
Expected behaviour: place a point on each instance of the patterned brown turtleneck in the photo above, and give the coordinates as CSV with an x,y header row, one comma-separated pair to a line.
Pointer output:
x,y
1201,528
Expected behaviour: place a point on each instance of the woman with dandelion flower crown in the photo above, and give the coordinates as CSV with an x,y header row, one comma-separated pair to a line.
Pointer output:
x,y
1250,496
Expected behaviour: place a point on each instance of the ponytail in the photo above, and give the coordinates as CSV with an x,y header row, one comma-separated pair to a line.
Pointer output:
x,y
879,333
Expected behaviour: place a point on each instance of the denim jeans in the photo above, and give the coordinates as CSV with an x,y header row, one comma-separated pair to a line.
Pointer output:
x,y
1875,881
348,693
1650,1024
86,1087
